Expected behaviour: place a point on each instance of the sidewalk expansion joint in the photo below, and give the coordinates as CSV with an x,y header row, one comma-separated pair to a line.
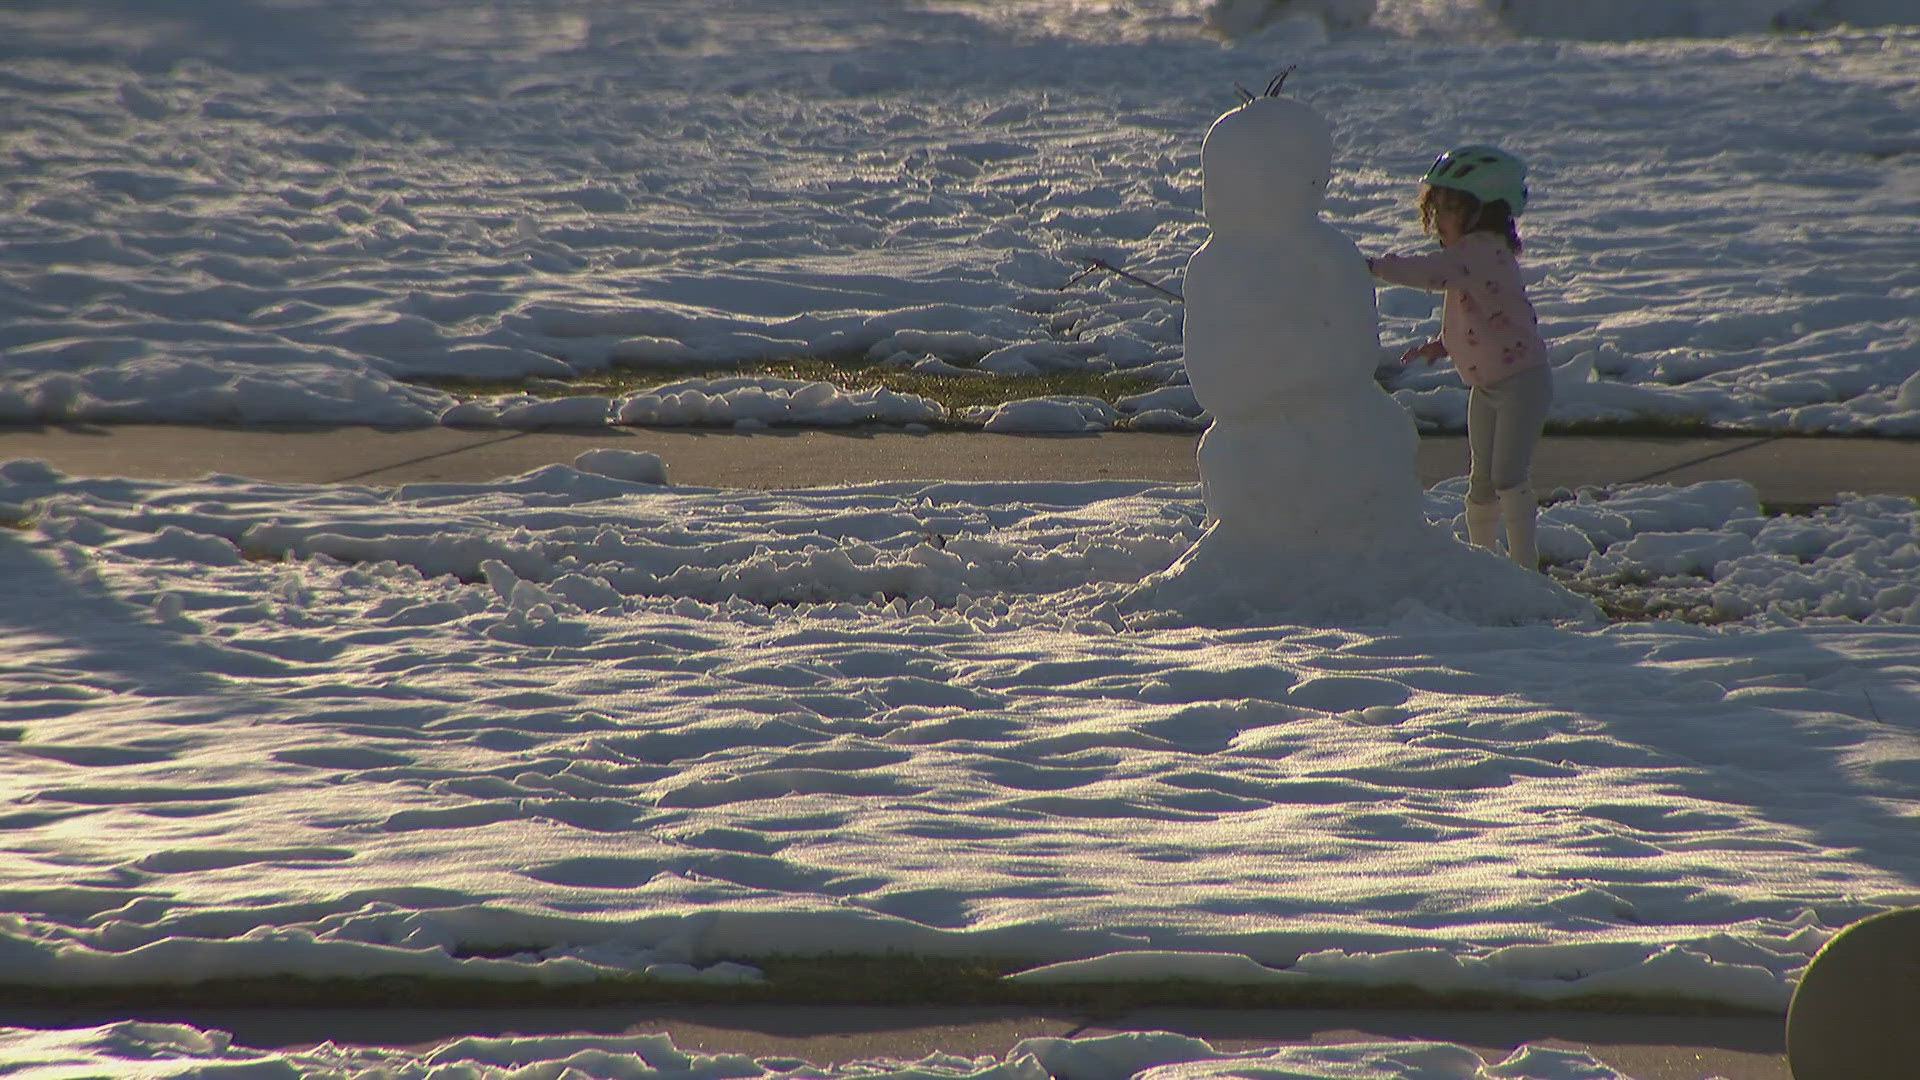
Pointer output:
x,y
1671,469
363,473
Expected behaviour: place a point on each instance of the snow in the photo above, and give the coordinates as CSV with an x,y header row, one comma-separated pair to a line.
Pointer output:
x,y
623,726
636,465
143,1050
1050,415
231,211
583,722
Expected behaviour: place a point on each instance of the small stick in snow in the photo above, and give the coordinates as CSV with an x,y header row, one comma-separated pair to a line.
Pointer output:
x,y
1094,265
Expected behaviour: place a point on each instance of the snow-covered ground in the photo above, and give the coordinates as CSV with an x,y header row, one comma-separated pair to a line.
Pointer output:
x,y
272,728
142,1051
581,722
254,210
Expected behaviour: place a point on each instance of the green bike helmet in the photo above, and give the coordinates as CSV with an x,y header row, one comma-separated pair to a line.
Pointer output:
x,y
1487,173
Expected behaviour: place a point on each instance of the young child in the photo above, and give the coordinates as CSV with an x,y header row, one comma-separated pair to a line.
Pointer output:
x,y
1469,201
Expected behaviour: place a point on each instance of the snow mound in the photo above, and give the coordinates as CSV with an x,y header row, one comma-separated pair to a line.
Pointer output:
x,y
638,466
1428,575
146,1049
1618,20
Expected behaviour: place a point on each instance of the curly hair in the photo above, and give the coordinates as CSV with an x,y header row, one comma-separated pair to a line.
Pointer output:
x,y
1495,217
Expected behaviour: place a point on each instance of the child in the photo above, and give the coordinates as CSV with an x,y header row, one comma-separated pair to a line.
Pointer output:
x,y
1469,201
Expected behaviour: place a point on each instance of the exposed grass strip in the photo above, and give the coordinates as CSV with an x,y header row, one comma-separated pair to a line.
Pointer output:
x,y
955,392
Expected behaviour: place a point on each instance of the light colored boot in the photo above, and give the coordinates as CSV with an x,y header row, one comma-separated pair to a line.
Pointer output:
x,y
1483,524
1517,509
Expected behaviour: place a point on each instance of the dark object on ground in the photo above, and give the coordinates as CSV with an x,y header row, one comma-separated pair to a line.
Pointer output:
x,y
1856,1014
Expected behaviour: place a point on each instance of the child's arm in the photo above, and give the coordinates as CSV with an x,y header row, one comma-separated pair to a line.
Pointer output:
x,y
1434,272
1429,351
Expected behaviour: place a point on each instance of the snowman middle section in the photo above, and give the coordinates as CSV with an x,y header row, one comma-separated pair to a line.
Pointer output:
x,y
1305,450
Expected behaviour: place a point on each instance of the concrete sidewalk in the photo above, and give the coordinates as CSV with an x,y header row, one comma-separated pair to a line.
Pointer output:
x,y
1786,471
1641,1047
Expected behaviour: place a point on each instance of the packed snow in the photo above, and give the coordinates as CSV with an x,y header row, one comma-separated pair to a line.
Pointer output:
x,y
622,726
143,1051
245,211
580,723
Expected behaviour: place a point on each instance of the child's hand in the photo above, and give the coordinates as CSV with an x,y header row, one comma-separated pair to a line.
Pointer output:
x,y
1430,352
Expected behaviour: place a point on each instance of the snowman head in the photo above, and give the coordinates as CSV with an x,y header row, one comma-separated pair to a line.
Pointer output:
x,y
1265,165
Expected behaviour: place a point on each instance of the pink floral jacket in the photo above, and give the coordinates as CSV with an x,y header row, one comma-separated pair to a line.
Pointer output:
x,y
1487,323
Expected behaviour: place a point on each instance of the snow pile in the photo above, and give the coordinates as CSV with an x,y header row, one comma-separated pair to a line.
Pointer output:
x,y
1858,560
738,402
1051,415
749,401
1544,972
910,543
1249,21
1619,20
635,465
138,1049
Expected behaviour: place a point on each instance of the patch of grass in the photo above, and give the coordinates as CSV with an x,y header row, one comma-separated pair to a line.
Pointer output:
x,y
956,392
1651,427
1695,427
964,391
1793,509
845,980
1641,599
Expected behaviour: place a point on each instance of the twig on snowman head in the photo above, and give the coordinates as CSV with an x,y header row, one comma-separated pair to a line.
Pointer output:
x,y
1095,265
1248,97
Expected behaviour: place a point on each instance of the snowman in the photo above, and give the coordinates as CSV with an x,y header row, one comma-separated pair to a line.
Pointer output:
x,y
1315,507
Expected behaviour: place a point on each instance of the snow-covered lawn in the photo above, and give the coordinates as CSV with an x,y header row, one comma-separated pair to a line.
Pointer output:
x,y
572,726
238,210
142,1051
261,728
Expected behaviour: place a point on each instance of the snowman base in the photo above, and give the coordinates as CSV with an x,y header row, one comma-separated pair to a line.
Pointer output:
x,y
1336,473
1230,579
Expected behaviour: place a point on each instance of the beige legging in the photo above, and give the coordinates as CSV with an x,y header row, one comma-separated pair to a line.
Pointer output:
x,y
1504,421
